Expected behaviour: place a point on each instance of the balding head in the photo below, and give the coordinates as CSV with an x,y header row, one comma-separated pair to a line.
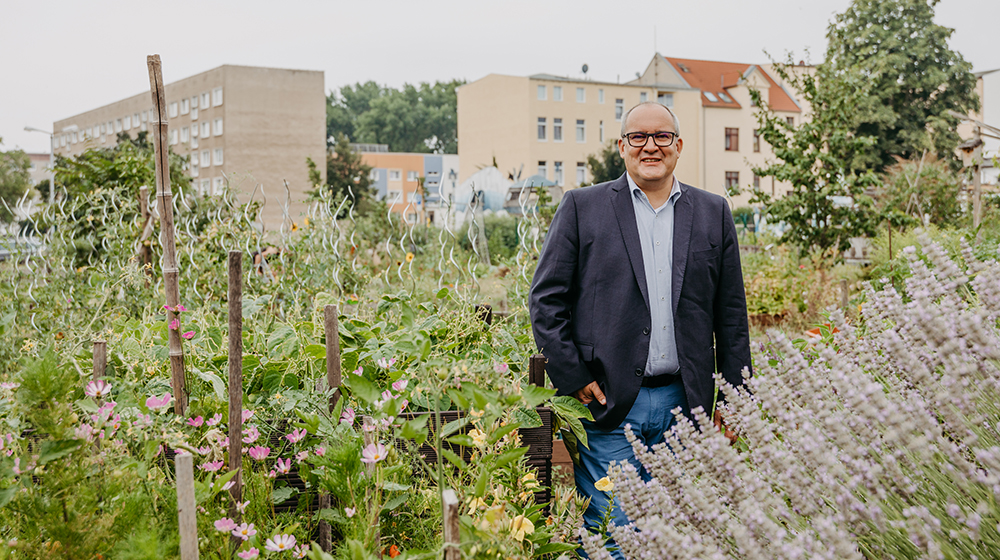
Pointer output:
x,y
677,123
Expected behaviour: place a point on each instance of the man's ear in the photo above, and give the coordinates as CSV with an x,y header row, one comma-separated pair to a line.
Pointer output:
x,y
680,144
621,147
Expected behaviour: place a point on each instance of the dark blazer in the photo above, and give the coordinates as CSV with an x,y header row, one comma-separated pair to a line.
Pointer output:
x,y
589,302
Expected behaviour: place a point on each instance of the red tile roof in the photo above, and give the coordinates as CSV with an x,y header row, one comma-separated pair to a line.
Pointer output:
x,y
714,77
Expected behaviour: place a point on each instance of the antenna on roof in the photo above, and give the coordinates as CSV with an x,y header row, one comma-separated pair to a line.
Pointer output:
x,y
585,68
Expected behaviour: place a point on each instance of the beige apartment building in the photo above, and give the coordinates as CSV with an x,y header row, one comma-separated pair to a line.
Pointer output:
x,y
548,124
247,124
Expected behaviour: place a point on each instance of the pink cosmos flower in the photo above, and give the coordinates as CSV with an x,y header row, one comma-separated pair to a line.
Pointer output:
x,y
97,389
244,531
347,416
386,422
204,449
214,420
400,385
249,554
374,453
180,308
501,367
196,422
242,507
403,405
259,453
85,431
225,525
368,427
228,485
188,335
301,551
280,543
297,435
158,403
143,421
174,325
359,371
224,443
320,451
250,434
9,385
272,474
211,466
301,456
349,512
283,467
386,364
247,414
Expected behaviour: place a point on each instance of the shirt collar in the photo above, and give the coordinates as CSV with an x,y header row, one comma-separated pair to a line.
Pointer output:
x,y
675,191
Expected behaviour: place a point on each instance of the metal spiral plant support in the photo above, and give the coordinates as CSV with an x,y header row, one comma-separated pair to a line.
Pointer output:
x,y
388,240
402,244
354,229
336,249
473,235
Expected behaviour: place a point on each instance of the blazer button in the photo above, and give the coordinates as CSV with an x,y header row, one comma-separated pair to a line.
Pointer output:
x,y
638,372
645,331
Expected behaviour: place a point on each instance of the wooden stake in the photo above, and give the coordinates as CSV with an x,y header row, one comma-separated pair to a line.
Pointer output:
x,y
236,378
332,329
186,515
536,370
171,276
845,293
325,534
100,358
449,506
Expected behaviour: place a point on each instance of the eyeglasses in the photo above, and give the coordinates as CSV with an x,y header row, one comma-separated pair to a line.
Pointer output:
x,y
639,139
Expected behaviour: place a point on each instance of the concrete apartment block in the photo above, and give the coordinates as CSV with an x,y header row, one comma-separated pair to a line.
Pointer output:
x,y
395,179
248,124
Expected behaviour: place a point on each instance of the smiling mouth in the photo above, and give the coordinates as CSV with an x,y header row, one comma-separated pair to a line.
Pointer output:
x,y
650,160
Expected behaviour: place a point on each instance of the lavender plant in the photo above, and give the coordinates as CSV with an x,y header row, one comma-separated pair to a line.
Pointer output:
x,y
882,441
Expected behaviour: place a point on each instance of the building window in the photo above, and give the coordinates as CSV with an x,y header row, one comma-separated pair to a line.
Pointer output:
x,y
732,139
205,101
72,137
217,158
205,161
600,96
173,137
732,181
558,173
194,112
395,175
173,109
543,93
185,134
541,128
206,186
103,130
557,130
581,173
543,169
581,130
127,123
194,158
411,176
600,131
619,109
581,95
145,116
118,125
218,185
756,140
790,121
643,97
194,139
557,93
711,96
185,106
756,182
665,99
724,97
206,129
135,120
194,130
217,127
194,170
373,174
194,102
391,196
216,97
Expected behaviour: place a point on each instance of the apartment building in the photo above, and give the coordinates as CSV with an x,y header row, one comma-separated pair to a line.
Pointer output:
x,y
248,125
396,179
547,125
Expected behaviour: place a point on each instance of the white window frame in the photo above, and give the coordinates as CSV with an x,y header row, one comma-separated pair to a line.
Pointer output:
x,y
206,186
217,97
643,97
395,175
411,176
581,130
543,93
206,158
543,131
206,129
557,93
194,140
218,185
557,130
581,95
126,122
600,96
173,110
581,173
185,134
185,106
118,125
217,157
390,195
173,137
543,169
206,100
619,109
217,127
669,97
194,113
558,173
194,101
600,131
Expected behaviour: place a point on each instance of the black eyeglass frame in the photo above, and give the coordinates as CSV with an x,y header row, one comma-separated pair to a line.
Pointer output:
x,y
647,136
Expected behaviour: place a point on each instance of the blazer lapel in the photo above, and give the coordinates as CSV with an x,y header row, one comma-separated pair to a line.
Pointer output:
x,y
621,200
683,222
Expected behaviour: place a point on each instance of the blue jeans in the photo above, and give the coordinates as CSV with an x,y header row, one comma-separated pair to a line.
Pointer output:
x,y
649,417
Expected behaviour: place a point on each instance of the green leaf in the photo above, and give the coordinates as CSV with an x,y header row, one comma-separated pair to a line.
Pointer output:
x,y
504,430
283,343
251,305
7,494
453,458
55,449
512,455
454,426
528,417
394,486
361,388
443,293
480,488
271,382
459,398
280,495
462,439
395,502
87,405
218,386
317,351
407,315
566,405
534,396
553,548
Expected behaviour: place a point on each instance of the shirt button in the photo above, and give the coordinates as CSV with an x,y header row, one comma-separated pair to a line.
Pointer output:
x,y
638,372
663,355
657,242
660,271
664,327
645,331
661,299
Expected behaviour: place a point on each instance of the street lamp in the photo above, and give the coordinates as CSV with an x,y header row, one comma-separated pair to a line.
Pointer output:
x,y
52,161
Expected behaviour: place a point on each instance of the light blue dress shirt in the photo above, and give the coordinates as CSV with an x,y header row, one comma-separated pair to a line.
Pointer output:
x,y
656,237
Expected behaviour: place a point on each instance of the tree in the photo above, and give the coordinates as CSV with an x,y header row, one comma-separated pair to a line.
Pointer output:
x,y
927,187
410,119
607,164
916,78
15,180
345,169
823,158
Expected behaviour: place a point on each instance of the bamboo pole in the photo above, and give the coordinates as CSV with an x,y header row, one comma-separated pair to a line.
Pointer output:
x,y
236,378
187,522
449,506
331,327
100,358
170,269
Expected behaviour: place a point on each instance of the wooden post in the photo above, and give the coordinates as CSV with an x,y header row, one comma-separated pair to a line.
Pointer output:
x,y
332,329
100,358
845,293
236,378
186,515
449,506
171,276
536,370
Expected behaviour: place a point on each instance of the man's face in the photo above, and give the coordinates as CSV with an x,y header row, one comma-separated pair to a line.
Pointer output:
x,y
650,165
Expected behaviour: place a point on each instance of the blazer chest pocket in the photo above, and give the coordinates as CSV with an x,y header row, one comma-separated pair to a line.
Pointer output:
x,y
586,352
704,254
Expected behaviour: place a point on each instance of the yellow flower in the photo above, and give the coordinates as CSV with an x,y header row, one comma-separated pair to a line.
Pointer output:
x,y
476,504
306,221
476,413
409,257
479,438
295,226
604,485
529,481
521,526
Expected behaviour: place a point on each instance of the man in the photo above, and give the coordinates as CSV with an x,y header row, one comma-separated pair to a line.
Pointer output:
x,y
638,298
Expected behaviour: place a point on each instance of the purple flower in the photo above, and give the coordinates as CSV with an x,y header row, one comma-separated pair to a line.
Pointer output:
x,y
320,451
500,367
188,335
296,436
174,325
249,554
196,422
359,371
247,414
280,543
244,531
386,364
211,466
250,434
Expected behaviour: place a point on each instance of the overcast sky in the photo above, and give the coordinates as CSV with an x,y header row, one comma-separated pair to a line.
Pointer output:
x,y
64,57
